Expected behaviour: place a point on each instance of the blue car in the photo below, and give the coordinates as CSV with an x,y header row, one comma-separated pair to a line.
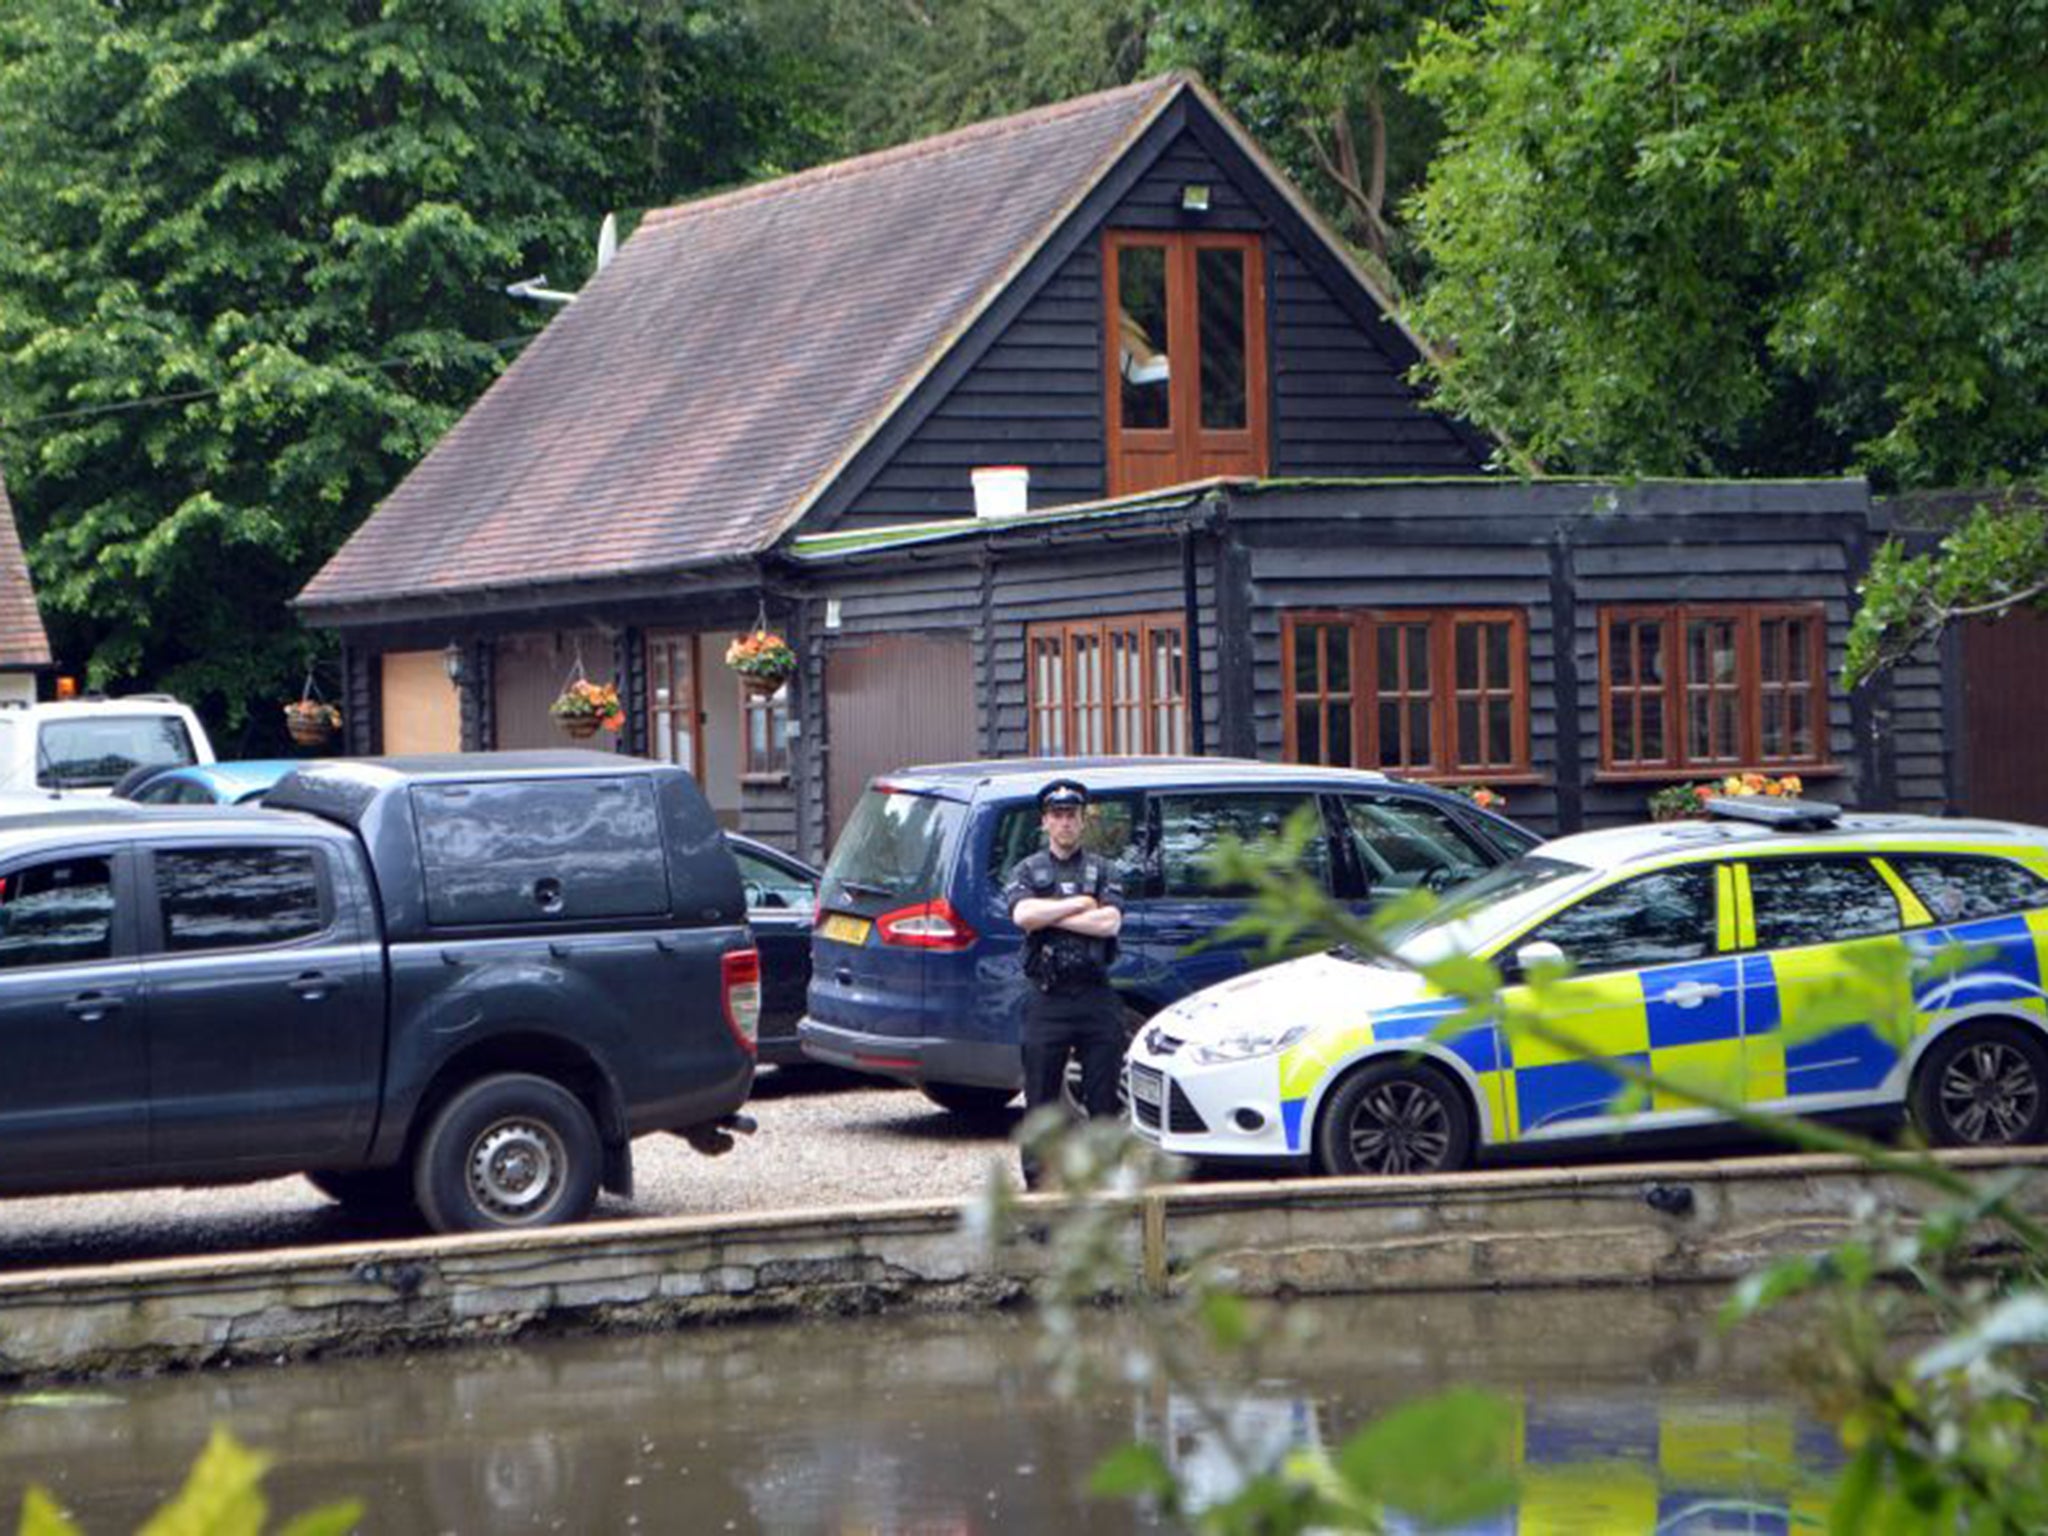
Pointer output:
x,y
916,967
206,783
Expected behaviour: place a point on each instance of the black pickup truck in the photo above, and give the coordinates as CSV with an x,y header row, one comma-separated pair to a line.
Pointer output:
x,y
460,984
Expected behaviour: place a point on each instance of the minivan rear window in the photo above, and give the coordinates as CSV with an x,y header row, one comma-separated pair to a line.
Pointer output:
x,y
891,846
540,850
98,752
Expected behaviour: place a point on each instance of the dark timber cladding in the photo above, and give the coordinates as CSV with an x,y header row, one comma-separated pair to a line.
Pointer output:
x,y
1548,560
1028,388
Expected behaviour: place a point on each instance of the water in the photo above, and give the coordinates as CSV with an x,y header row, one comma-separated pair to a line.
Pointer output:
x,y
1634,1414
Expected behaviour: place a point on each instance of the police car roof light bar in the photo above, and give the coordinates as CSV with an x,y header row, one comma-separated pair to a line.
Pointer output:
x,y
1783,814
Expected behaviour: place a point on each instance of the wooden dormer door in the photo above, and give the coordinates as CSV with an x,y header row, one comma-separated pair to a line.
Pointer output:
x,y
1185,363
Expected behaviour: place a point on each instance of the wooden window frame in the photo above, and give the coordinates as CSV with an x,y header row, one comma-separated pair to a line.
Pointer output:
x,y
1443,765
658,714
1059,725
1677,689
1183,332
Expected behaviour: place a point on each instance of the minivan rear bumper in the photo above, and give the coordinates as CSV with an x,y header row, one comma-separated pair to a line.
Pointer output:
x,y
911,1059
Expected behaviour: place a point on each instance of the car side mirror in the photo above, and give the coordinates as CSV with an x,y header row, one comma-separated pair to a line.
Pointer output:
x,y
1537,955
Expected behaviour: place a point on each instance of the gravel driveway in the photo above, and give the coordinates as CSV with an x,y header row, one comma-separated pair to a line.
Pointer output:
x,y
825,1139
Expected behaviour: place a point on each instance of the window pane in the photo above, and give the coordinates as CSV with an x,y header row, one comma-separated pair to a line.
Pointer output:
x,y
1819,901
1190,826
1621,653
1142,342
1108,828
1401,844
1470,750
770,887
1307,643
60,913
1417,638
1651,716
1337,658
1652,920
1219,299
1774,725
1390,736
1340,736
1771,664
236,898
1418,734
1468,655
1802,726
1650,653
1388,642
1498,672
1957,889
1500,741
1308,732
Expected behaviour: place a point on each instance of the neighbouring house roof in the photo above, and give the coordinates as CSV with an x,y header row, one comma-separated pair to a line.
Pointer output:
x,y
23,642
718,375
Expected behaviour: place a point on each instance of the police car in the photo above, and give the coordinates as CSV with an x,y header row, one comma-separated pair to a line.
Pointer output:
x,y
1724,952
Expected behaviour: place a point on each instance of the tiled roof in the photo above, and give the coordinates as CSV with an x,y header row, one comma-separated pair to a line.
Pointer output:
x,y
22,641
720,372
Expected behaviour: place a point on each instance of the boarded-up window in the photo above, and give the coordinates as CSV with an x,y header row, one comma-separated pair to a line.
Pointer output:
x,y
421,710
1115,686
1686,688
1430,694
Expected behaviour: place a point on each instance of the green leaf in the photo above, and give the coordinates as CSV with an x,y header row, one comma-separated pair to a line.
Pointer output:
x,y
1445,1459
1226,1318
222,1495
336,1519
40,1515
1132,1472
1855,1494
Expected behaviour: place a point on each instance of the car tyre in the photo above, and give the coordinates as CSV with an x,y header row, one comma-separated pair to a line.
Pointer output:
x,y
1983,1085
967,1101
507,1153
1394,1117
367,1191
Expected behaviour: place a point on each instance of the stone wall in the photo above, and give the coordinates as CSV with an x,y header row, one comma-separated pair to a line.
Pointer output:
x,y
1619,1225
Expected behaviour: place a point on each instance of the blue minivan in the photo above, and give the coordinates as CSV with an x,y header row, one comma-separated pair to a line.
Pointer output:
x,y
916,967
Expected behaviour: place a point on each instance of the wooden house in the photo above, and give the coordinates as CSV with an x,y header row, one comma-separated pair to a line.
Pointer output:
x,y
24,647
1244,532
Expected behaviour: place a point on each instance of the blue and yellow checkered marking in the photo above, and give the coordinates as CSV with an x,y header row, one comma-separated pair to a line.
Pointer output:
x,y
1734,1040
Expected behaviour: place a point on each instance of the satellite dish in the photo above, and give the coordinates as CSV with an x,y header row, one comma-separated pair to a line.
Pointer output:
x,y
607,241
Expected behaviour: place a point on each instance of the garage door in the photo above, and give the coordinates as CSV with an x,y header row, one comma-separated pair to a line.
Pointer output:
x,y
893,702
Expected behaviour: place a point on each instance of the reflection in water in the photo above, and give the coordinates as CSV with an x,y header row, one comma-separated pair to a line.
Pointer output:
x,y
1634,1415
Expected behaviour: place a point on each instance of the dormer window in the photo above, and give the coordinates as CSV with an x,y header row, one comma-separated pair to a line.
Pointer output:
x,y
1186,369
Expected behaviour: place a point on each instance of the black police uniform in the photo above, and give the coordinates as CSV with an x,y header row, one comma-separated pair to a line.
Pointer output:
x,y
1071,1007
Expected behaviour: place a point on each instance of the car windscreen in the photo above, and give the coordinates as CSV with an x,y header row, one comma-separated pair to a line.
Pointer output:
x,y
891,847
96,752
1472,914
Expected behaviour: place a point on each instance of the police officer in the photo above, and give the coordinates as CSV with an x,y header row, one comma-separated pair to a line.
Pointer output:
x,y
1070,906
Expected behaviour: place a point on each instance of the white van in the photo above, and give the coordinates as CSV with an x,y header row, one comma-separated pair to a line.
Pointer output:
x,y
87,746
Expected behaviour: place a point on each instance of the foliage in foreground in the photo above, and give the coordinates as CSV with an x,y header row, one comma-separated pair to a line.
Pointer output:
x,y
1949,1436
222,1496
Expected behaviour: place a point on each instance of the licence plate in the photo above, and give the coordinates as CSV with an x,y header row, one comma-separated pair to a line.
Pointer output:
x,y
846,930
1145,1086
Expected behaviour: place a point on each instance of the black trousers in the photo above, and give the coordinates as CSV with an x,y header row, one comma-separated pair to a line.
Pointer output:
x,y
1086,1025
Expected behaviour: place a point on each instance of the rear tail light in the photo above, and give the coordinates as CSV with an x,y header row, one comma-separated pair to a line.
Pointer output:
x,y
928,925
740,973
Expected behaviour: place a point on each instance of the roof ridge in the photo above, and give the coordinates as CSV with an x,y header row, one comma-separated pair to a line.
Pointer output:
x,y
916,149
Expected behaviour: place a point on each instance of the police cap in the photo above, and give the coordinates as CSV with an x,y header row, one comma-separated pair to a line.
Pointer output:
x,y
1062,793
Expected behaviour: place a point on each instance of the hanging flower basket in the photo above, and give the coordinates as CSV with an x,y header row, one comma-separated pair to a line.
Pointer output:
x,y
584,708
763,660
312,722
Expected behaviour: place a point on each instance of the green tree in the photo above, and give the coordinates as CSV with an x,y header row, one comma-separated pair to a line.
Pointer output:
x,y
252,260
1745,236
1319,83
884,72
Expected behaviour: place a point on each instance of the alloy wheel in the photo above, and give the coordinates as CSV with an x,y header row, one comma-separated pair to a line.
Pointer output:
x,y
1989,1094
1401,1126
